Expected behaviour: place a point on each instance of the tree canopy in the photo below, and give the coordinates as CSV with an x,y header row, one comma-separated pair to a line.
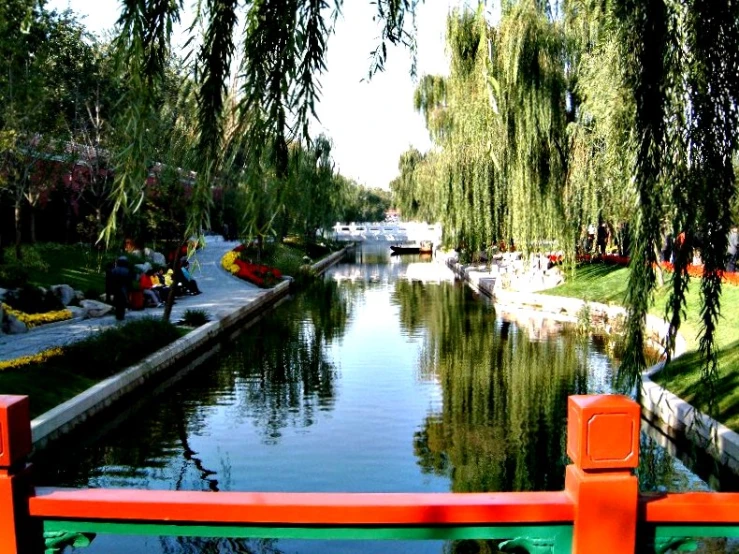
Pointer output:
x,y
566,114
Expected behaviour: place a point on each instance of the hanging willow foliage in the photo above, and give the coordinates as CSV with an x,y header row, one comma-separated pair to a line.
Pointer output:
x,y
683,63
561,114
597,110
277,81
499,122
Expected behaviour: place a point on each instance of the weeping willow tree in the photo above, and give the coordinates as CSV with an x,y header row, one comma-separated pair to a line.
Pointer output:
x,y
570,113
281,58
682,66
499,124
459,115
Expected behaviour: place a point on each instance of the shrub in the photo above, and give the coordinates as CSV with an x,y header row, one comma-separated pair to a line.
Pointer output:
x,y
93,293
15,273
195,318
584,320
33,300
112,350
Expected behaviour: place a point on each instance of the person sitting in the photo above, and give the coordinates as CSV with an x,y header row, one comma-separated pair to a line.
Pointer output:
x,y
159,283
147,288
185,280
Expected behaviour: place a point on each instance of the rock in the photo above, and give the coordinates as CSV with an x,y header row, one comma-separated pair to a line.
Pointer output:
x,y
64,293
13,326
95,308
2,314
79,296
77,312
157,258
3,292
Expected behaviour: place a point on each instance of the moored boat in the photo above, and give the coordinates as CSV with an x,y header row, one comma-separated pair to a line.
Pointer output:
x,y
425,247
405,249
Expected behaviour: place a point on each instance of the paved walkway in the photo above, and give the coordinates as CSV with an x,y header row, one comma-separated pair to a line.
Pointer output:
x,y
222,293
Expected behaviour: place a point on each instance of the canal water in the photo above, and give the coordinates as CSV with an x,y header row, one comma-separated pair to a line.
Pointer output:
x,y
366,382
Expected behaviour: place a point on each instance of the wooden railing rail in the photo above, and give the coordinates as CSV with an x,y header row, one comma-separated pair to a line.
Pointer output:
x,y
600,509
331,509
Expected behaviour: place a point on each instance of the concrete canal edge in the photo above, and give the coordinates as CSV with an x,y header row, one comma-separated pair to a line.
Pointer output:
x,y
187,352
674,417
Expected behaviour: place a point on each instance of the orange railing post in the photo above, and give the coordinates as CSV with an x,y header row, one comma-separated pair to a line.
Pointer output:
x,y
19,533
603,442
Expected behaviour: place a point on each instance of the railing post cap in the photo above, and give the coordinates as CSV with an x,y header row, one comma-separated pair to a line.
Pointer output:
x,y
603,432
15,429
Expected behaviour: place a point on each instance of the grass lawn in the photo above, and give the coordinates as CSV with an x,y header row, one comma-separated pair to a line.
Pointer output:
x,y
608,284
76,265
87,362
79,266
683,377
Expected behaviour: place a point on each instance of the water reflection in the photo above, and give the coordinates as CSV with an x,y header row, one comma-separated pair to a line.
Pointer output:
x,y
276,375
504,397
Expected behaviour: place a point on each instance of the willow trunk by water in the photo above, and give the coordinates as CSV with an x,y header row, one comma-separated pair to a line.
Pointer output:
x,y
177,265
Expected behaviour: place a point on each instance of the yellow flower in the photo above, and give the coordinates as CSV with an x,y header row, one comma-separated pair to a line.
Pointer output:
x,y
33,359
228,261
32,320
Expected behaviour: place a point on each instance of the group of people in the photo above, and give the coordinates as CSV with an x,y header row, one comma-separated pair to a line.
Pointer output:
x,y
598,240
155,284
670,246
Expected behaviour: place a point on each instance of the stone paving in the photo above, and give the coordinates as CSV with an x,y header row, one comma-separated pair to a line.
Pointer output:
x,y
222,293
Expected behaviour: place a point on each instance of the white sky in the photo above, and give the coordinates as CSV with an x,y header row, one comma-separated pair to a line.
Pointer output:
x,y
372,123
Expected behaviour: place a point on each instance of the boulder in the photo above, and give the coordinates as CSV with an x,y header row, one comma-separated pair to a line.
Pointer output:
x,y
79,296
95,308
157,258
64,293
14,326
2,314
3,292
77,312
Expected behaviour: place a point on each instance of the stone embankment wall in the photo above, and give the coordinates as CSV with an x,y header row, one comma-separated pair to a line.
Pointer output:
x,y
604,317
675,418
184,354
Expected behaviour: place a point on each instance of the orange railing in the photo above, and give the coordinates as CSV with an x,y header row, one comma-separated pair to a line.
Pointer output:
x,y
600,508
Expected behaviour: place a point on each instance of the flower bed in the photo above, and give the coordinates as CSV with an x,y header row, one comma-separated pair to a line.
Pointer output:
x,y
260,275
695,271
34,359
34,320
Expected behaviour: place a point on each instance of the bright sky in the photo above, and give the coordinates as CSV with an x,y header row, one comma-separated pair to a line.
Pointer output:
x,y
372,123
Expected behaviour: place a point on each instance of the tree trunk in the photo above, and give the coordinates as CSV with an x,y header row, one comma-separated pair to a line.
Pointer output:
x,y
33,225
18,233
658,268
98,222
170,298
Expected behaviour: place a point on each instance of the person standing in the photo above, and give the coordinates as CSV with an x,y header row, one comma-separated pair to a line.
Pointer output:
x,y
121,282
733,249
